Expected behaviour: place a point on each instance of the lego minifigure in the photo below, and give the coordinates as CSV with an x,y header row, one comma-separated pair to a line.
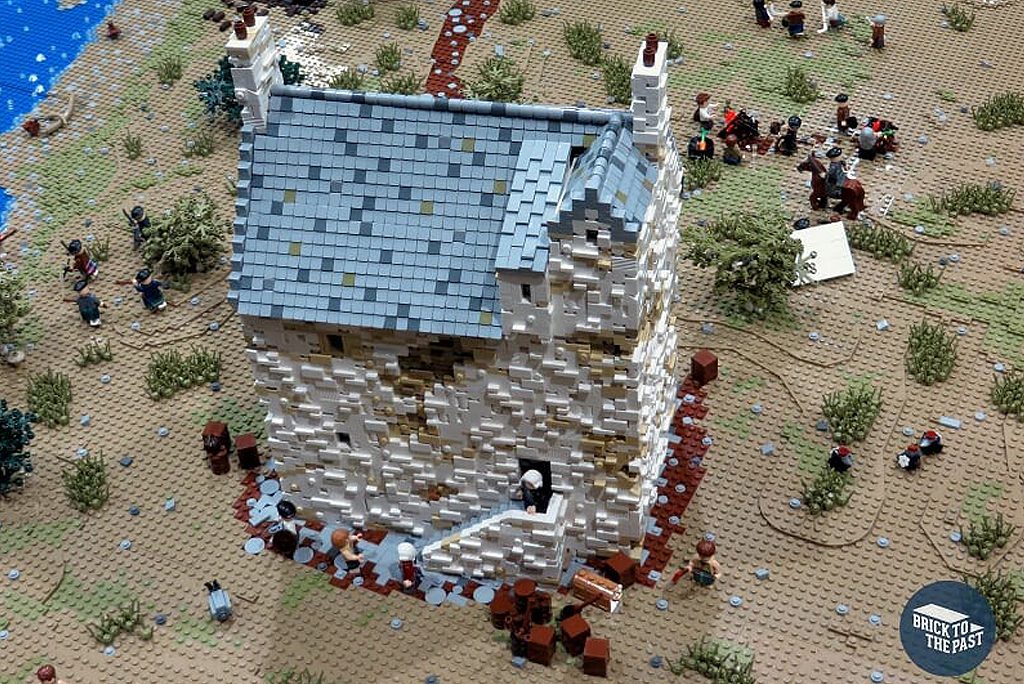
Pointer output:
x,y
345,544
113,33
705,112
842,111
88,304
286,539
787,143
794,19
867,140
701,146
930,443
152,297
836,175
411,575
48,675
83,263
909,458
877,31
840,459
703,567
218,602
732,155
139,223
531,485
830,16
763,14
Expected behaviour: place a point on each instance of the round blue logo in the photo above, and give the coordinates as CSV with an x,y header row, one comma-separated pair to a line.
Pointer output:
x,y
947,629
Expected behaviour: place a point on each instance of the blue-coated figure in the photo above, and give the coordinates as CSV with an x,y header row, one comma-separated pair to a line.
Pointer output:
x,y
88,304
152,297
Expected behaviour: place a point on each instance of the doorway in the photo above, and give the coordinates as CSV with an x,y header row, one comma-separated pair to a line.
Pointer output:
x,y
544,492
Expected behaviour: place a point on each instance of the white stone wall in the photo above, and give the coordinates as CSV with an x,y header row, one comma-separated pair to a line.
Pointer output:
x,y
255,69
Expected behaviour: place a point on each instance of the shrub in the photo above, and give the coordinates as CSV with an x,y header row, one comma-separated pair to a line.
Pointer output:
x,y
1008,393
85,484
49,395
827,491
617,79
388,58
851,412
716,662
188,239
15,435
584,41
959,17
123,620
883,242
408,17
999,111
754,257
931,353
916,279
983,538
402,84
701,172
132,145
973,198
217,92
516,12
200,144
291,72
100,250
170,371
13,304
354,12
499,79
799,87
349,79
93,352
1001,593
169,70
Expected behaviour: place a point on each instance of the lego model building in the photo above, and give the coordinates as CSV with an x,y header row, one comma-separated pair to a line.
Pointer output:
x,y
441,296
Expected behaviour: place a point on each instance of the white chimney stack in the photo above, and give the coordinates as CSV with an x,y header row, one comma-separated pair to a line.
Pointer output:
x,y
254,61
652,115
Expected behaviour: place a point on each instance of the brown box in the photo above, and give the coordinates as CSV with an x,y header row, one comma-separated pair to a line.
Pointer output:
x,y
501,608
586,584
540,647
622,569
575,632
703,367
217,444
248,453
596,655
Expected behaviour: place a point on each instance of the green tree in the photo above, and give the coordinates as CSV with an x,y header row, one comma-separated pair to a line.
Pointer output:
x,y
15,434
754,258
188,239
217,90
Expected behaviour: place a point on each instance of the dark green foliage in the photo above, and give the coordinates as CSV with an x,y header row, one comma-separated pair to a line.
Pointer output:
x,y
754,258
617,79
292,676
408,16
1008,393
13,303
852,412
49,394
170,371
499,79
123,620
349,79
827,491
15,435
94,352
799,87
985,536
931,353
200,144
1001,593
719,664
1000,111
584,41
973,198
291,72
100,250
217,91
875,239
916,279
169,69
388,57
515,12
189,239
354,12
85,483
701,172
959,17
132,145
402,84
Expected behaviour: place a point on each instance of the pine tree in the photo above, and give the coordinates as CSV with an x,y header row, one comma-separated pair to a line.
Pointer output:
x,y
15,434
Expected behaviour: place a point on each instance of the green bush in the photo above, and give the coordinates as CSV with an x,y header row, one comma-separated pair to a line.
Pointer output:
x,y
13,304
291,72
986,535
132,145
49,395
851,412
719,664
1001,593
931,353
349,79
15,435
1008,393
516,12
617,79
169,371
499,79
169,70
883,242
826,492
402,84
999,111
973,198
388,58
354,12
85,483
217,92
189,239
584,41
959,17
916,279
200,144
93,352
126,619
700,173
799,87
407,17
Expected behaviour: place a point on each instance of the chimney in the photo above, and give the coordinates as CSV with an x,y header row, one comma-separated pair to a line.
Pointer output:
x,y
651,113
254,66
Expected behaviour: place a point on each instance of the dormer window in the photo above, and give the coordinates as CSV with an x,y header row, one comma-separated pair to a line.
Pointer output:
x,y
527,293
592,236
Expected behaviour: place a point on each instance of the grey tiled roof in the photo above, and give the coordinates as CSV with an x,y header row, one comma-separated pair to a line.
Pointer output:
x,y
386,211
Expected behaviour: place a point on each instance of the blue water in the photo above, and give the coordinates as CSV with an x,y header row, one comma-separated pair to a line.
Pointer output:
x,y
37,42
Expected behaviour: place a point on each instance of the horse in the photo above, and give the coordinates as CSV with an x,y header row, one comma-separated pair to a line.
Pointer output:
x,y
819,192
851,195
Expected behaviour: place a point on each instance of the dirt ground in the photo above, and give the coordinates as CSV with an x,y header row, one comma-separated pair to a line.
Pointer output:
x,y
72,567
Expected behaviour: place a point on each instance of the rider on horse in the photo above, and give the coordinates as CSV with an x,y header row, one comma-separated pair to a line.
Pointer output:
x,y
836,175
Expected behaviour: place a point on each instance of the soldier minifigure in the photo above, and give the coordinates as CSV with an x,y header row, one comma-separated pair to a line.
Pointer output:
x,y
931,443
139,223
877,31
836,173
705,112
867,141
794,19
48,675
842,111
787,143
411,575
83,263
152,297
840,459
732,155
909,458
88,304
